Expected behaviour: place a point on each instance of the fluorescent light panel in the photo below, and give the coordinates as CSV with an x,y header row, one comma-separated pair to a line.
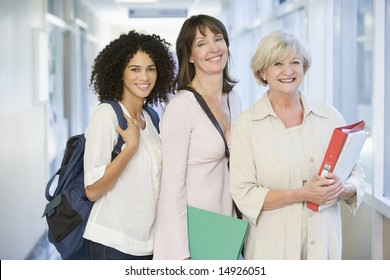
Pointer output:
x,y
136,1
158,13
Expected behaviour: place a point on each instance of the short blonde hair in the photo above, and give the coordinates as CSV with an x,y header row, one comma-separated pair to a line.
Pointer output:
x,y
276,46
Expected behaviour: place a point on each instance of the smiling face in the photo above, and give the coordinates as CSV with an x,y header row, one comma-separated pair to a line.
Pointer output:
x,y
285,75
209,53
140,76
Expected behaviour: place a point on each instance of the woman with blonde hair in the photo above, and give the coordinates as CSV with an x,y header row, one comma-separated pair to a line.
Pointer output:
x,y
277,148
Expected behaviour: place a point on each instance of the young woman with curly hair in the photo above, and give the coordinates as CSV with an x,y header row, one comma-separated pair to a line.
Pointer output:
x,y
136,70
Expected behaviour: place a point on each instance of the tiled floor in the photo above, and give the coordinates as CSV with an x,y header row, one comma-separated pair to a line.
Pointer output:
x,y
44,250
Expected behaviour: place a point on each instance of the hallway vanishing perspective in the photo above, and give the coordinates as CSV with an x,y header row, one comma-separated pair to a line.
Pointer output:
x,y
49,46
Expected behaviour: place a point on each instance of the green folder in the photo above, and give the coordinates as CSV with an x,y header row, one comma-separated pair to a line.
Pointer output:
x,y
213,236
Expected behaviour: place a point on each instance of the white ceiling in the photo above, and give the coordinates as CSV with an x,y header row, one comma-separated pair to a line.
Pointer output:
x,y
117,15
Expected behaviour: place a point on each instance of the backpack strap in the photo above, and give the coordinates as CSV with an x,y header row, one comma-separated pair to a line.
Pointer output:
x,y
154,116
122,124
79,142
75,147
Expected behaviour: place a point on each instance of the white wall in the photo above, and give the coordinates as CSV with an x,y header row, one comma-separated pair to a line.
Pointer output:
x,y
28,143
22,126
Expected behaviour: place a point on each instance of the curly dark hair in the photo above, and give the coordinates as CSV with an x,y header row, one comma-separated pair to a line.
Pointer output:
x,y
107,70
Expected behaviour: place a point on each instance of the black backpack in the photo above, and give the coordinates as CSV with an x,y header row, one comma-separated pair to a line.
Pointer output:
x,y
68,209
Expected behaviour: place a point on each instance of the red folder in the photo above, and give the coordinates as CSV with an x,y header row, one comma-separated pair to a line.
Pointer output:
x,y
333,151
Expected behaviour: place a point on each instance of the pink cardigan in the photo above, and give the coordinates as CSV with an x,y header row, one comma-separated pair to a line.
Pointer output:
x,y
195,171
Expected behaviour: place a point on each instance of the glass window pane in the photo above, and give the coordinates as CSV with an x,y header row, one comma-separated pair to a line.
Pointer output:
x,y
54,7
353,69
364,78
387,103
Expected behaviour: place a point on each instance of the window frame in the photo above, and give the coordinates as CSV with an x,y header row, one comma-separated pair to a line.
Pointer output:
x,y
378,201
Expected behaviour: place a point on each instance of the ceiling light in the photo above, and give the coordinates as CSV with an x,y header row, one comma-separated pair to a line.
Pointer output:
x,y
136,1
158,13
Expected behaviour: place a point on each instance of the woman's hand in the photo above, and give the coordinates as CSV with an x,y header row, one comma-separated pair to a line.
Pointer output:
x,y
131,134
324,190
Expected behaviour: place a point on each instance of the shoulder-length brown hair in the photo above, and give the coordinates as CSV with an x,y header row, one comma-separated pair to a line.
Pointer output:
x,y
184,43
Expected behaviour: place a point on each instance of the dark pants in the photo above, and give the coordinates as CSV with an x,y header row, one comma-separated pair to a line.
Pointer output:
x,y
97,251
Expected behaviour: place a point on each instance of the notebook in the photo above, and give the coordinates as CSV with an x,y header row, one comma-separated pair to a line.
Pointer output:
x,y
213,236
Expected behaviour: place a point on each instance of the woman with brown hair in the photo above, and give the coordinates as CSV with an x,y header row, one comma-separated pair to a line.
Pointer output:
x,y
195,163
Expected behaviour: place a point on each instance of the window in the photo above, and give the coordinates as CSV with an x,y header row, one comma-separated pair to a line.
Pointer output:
x,y
364,78
381,189
387,103
353,68
56,93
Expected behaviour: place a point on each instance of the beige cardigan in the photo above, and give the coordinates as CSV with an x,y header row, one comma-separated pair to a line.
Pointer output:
x,y
262,158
